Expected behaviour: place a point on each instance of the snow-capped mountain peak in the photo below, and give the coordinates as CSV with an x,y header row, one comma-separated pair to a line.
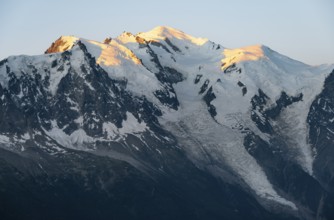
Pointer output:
x,y
62,44
164,32
111,54
127,37
241,115
242,54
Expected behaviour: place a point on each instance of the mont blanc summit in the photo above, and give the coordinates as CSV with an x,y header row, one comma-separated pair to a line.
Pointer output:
x,y
164,125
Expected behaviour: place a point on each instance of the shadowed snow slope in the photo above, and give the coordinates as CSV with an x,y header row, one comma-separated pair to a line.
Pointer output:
x,y
163,102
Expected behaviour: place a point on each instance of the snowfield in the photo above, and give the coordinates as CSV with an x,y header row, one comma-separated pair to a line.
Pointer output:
x,y
212,141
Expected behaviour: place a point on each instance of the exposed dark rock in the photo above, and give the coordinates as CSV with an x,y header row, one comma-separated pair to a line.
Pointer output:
x,y
158,44
198,78
167,76
243,88
141,40
258,112
231,68
171,76
240,84
54,48
283,101
321,133
2,62
175,48
244,91
204,86
107,40
261,114
209,96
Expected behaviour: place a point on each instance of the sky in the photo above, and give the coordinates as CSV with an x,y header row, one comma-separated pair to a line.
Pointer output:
x,y
300,29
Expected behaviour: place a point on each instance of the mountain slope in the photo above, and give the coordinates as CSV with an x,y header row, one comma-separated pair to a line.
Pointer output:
x,y
165,124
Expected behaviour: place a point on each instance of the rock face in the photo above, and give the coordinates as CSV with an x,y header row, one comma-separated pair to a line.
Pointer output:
x,y
320,120
163,125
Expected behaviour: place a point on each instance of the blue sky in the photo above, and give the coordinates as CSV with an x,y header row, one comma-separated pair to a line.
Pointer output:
x,y
300,29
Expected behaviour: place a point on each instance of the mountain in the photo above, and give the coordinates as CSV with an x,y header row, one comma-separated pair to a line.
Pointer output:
x,y
164,125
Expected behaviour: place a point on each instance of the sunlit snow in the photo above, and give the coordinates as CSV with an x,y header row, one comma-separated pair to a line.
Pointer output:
x,y
210,141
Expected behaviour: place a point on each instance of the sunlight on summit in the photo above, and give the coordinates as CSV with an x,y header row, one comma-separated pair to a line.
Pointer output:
x,y
162,32
113,54
250,53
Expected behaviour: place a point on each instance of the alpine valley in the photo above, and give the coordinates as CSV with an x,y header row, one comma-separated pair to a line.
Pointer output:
x,y
164,125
